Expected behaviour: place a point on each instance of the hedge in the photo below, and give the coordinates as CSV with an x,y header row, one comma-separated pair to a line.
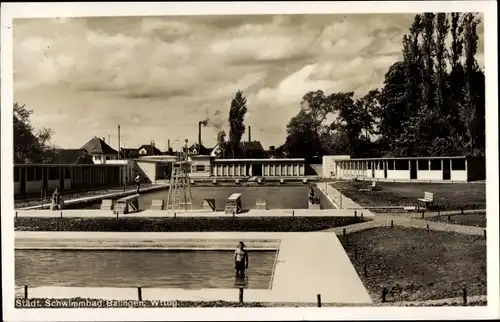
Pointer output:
x,y
184,224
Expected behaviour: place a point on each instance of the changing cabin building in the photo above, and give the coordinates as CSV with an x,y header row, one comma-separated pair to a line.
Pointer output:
x,y
401,169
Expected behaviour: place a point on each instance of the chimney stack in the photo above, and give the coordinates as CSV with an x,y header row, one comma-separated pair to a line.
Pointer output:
x,y
199,134
168,144
249,134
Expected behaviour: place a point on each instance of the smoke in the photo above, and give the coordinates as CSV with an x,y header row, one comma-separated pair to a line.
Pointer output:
x,y
215,121
204,122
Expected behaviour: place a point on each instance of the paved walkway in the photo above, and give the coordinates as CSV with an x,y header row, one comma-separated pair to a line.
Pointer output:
x,y
115,194
302,270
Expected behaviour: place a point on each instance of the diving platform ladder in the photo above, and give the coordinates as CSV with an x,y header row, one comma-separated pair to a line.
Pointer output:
x,y
179,194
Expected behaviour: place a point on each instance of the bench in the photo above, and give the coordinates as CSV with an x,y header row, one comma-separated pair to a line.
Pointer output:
x,y
370,188
261,205
157,204
259,180
209,204
304,181
428,199
237,181
107,204
282,181
127,205
214,181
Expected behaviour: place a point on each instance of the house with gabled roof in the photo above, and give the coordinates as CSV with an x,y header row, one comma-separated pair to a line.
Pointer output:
x,y
100,150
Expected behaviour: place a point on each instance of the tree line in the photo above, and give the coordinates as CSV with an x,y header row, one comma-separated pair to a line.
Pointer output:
x,y
432,102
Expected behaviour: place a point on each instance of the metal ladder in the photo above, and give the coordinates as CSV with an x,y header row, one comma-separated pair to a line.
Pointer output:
x,y
179,194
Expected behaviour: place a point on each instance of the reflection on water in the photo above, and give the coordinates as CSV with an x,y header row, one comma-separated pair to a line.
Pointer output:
x,y
166,269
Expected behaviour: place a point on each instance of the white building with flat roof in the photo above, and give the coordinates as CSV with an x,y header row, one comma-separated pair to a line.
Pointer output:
x,y
426,169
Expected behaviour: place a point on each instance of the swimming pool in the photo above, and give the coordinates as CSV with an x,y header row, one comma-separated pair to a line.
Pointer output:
x,y
163,269
277,196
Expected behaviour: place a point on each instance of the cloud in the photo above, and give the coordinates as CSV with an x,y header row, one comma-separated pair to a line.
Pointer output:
x,y
161,75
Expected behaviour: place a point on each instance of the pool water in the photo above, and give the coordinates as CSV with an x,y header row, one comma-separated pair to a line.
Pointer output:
x,y
162,269
278,197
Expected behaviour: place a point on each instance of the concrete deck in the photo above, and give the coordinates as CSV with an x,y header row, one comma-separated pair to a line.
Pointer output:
x,y
111,195
307,264
94,213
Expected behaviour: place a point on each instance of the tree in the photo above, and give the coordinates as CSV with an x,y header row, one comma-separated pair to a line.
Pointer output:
x,y
470,111
30,145
236,118
301,140
392,114
221,143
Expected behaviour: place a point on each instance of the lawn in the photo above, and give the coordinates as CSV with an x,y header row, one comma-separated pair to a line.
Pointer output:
x,y
447,196
415,265
468,219
184,224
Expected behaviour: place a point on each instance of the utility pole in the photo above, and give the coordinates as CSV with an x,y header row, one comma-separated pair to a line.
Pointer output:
x,y
118,141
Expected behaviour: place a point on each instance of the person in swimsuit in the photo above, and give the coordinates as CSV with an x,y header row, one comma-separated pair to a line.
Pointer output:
x,y
240,260
56,200
138,182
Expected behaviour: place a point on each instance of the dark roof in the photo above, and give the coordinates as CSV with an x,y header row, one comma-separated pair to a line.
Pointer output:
x,y
200,149
96,145
151,149
126,153
251,146
71,156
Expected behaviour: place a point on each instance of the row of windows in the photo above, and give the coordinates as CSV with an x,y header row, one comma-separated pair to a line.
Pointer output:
x,y
422,165
51,173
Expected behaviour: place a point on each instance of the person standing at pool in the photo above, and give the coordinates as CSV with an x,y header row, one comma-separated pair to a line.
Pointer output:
x,y
138,182
240,260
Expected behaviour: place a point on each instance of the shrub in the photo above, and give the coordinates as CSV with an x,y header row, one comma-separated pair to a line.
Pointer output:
x,y
184,224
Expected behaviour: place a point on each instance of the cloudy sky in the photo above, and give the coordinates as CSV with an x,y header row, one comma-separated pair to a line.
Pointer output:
x,y
158,76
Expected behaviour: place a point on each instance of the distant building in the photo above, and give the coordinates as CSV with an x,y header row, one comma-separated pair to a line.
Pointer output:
x,y
198,149
148,150
129,153
252,150
100,150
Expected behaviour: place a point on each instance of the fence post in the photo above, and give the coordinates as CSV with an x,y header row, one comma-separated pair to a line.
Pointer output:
x,y
175,214
449,218
485,233
355,214
462,210
423,214
139,293
361,216
439,212
392,223
366,271
464,295
293,213
16,214
384,294
234,214
61,214
428,230
25,292
318,297
241,295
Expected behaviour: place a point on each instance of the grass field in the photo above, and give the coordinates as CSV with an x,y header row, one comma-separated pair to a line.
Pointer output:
x,y
415,265
468,219
446,196
184,224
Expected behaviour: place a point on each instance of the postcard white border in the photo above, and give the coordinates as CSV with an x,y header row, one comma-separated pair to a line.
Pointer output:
x,y
32,10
